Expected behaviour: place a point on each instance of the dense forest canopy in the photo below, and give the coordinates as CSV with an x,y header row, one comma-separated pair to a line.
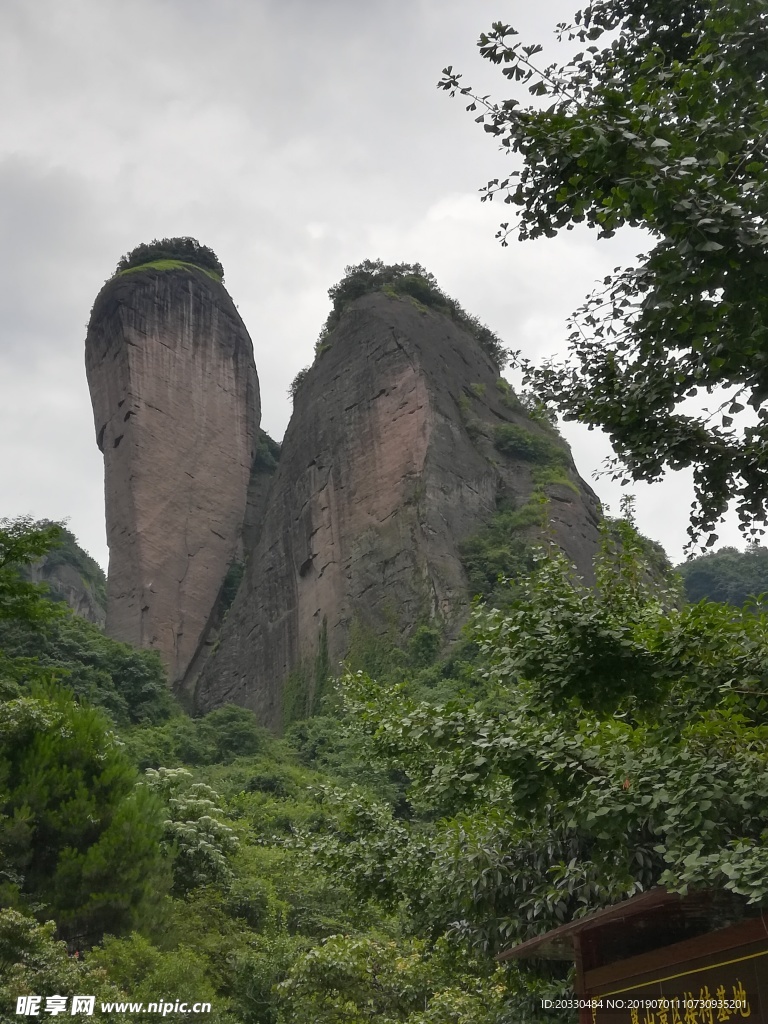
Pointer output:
x,y
618,743
659,122
573,747
728,575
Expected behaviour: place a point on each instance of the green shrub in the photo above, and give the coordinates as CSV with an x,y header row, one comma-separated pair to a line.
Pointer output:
x,y
524,444
183,248
145,972
552,475
32,959
66,551
231,731
406,279
77,831
317,740
267,452
503,548
297,381
423,646
219,737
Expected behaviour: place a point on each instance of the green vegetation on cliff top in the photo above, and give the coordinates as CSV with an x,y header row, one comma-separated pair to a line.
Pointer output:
x,y
172,254
169,265
410,279
400,280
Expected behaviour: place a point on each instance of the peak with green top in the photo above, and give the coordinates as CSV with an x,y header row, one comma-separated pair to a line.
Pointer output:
x,y
171,254
176,414
398,279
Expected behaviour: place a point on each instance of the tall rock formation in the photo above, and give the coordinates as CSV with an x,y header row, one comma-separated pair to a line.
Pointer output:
x,y
176,408
403,443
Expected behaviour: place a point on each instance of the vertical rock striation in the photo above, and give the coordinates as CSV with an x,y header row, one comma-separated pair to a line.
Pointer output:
x,y
176,407
390,461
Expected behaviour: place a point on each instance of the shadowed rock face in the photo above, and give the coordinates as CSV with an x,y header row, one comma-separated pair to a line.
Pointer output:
x,y
387,465
65,583
176,408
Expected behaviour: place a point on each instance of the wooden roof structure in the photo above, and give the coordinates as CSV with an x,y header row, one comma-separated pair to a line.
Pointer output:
x,y
699,958
647,921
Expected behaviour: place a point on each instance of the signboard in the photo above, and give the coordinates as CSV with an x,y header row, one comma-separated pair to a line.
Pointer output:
x,y
685,985
663,958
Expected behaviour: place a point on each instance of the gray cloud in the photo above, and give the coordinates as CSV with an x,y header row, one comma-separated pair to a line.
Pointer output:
x,y
294,138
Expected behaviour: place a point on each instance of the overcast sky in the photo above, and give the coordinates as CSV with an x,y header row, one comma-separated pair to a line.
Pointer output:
x,y
294,137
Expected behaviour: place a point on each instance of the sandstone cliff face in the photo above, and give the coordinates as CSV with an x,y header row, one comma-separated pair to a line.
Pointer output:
x,y
176,409
387,465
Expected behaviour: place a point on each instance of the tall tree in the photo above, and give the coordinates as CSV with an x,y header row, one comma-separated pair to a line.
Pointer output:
x,y
21,542
620,744
78,837
661,122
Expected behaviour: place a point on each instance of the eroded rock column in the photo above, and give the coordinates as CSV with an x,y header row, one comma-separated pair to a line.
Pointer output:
x,y
176,409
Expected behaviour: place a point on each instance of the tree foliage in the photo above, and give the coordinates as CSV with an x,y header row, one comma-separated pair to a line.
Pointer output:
x,y
77,835
728,575
217,738
40,640
298,380
33,961
622,743
128,684
267,453
199,840
67,552
516,441
501,549
148,974
660,122
184,248
574,747
352,980
78,839
22,542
